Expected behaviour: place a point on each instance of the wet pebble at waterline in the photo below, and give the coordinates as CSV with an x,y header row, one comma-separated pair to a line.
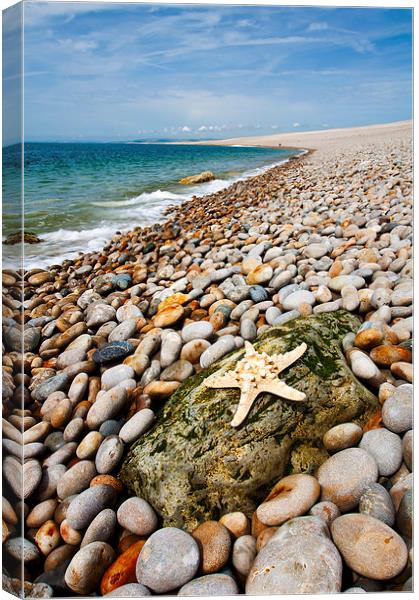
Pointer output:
x,y
111,335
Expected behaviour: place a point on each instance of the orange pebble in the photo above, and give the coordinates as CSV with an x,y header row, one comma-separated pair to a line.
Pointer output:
x,y
122,570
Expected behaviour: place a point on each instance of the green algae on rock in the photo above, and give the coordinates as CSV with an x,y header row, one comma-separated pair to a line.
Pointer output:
x,y
193,466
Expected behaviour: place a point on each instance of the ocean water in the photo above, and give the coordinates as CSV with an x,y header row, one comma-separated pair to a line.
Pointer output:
x,y
77,195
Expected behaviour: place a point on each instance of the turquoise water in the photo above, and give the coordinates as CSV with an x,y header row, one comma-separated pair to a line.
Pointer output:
x,y
78,195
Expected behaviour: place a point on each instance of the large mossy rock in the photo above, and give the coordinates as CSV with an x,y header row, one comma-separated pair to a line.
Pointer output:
x,y
194,466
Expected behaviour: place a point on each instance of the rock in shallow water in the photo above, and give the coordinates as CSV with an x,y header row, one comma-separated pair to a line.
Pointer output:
x,y
193,437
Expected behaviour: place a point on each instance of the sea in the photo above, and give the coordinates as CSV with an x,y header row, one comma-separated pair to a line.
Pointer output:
x,y
77,195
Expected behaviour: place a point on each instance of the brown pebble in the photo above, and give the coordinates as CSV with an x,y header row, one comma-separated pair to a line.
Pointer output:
x,y
215,542
264,537
108,480
70,536
385,356
47,537
60,415
237,523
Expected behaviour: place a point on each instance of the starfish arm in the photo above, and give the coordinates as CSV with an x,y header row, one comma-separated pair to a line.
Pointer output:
x,y
279,388
221,381
245,404
285,360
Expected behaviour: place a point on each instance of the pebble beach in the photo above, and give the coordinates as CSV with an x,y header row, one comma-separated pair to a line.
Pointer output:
x,y
109,337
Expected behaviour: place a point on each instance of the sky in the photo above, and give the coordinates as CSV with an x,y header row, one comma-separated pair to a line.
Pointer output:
x,y
102,72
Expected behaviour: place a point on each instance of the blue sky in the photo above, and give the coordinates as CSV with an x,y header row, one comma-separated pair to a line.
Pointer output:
x,y
121,71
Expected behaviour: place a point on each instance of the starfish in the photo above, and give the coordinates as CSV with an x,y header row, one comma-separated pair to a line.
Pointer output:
x,y
256,373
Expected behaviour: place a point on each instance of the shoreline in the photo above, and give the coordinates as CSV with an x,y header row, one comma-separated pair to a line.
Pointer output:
x,y
312,140
164,212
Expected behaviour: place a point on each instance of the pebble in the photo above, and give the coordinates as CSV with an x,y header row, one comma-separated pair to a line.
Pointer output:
x,y
50,478
198,330
397,411
122,570
22,549
61,456
108,406
386,355
177,371
128,312
248,330
129,590
337,283
53,384
402,370
115,375
98,314
408,449
47,537
59,556
136,515
214,542
369,547
385,447
78,388
295,299
193,350
89,445
244,554
139,362
109,454
260,274
362,366
376,502
73,429
217,350
237,523
170,348
101,528
217,584
325,510
137,425
399,489
169,315
291,497
87,567
344,477
41,513
258,293
60,415
344,435
169,559
84,508
297,559
76,479
404,516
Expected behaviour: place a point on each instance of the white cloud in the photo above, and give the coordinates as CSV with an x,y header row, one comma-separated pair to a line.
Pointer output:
x,y
296,124
186,129
317,26
202,128
78,45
